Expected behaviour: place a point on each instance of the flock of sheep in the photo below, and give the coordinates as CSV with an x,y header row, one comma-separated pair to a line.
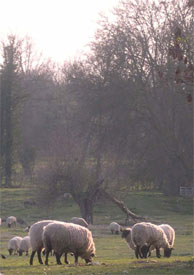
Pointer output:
x,y
144,237
75,238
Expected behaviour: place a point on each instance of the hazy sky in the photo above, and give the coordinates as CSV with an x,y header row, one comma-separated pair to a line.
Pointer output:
x,y
59,28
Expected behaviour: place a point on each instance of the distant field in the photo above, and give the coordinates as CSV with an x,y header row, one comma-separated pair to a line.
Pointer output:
x,y
112,254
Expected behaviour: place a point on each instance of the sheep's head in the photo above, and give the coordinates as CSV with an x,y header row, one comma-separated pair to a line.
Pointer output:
x,y
125,233
168,251
89,259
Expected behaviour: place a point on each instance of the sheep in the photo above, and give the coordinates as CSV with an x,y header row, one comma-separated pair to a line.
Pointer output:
x,y
35,234
79,221
170,234
24,245
11,221
114,227
68,238
144,235
126,234
13,244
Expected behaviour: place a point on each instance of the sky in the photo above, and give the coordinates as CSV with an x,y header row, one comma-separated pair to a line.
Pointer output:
x,y
60,29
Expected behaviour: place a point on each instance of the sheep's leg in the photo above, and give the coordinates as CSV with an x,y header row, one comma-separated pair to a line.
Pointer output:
x,y
158,252
47,251
76,258
137,252
31,257
10,251
39,256
58,256
66,261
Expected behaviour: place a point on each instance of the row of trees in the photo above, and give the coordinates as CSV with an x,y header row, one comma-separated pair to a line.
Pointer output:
x,y
121,116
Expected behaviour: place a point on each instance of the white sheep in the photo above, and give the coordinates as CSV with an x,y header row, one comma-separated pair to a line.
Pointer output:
x,y
25,245
79,221
35,234
68,238
11,221
144,235
114,227
170,233
13,245
126,234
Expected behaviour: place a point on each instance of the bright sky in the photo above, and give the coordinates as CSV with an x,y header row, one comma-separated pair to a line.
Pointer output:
x,y
60,29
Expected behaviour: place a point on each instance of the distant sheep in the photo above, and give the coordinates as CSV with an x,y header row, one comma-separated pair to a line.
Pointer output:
x,y
79,221
13,245
11,221
144,235
114,228
25,245
35,234
126,234
68,238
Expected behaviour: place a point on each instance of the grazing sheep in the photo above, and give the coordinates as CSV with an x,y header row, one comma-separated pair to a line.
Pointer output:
x,y
126,234
114,228
170,234
24,245
144,235
35,234
68,238
11,221
79,221
14,244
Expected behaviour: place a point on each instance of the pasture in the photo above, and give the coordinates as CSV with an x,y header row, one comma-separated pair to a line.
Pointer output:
x,y
112,253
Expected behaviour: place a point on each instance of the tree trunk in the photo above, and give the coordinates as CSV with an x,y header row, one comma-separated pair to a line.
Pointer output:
x,y
86,209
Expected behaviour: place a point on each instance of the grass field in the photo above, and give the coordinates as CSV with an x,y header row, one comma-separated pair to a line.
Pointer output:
x,y
112,253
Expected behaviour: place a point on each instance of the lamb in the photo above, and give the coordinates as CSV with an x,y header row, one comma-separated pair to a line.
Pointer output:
x,y
11,221
114,227
144,235
13,245
79,221
35,234
68,238
24,245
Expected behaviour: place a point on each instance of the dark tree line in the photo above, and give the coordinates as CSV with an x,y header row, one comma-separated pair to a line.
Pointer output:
x,y
119,118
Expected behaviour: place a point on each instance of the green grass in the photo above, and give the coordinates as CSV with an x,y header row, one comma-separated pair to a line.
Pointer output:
x,y
112,253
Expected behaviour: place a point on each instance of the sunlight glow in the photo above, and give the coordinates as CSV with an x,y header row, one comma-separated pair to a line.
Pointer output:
x,y
60,29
